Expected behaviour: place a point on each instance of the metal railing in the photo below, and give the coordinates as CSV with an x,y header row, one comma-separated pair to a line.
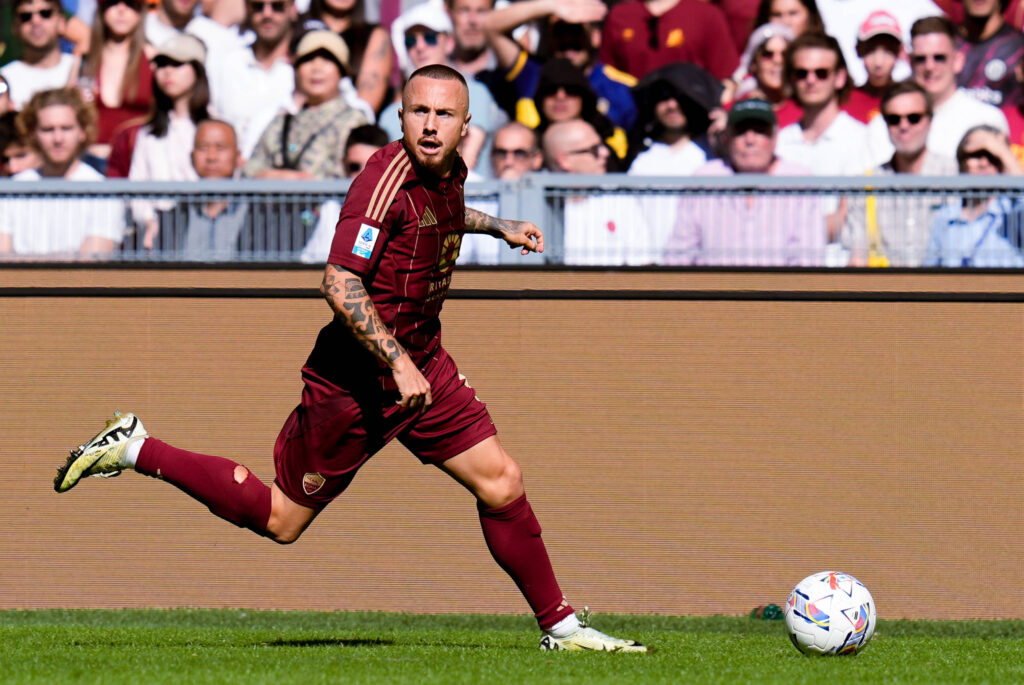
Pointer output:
x,y
610,220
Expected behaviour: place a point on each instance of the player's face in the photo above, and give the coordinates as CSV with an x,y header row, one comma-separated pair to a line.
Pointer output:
x,y
38,24
121,17
356,157
935,64
215,152
879,55
270,19
792,13
815,76
770,63
900,114
982,9
58,134
175,79
562,105
435,118
514,154
319,79
752,147
468,21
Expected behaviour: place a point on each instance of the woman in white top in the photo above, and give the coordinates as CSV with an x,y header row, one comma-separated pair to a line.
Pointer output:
x,y
59,124
163,148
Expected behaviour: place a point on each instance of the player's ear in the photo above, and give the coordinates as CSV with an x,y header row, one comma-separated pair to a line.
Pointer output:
x,y
401,119
465,124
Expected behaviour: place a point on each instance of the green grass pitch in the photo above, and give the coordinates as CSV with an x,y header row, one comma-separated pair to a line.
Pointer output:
x,y
241,646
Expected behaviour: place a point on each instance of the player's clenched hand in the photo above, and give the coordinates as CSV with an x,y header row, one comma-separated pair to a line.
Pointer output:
x,y
413,387
526,235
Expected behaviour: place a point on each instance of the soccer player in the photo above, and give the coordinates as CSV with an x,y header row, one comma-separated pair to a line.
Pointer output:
x,y
378,371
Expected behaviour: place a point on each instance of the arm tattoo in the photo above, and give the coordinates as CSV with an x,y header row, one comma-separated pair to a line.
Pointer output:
x,y
478,222
352,305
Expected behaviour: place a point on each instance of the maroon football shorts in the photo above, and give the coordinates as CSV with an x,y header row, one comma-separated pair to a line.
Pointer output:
x,y
328,436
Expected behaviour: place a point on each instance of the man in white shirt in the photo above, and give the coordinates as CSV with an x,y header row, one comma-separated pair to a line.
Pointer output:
x,y
250,85
826,140
936,63
598,229
37,24
172,17
842,18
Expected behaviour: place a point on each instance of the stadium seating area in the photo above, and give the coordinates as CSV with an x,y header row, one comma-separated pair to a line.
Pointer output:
x,y
756,133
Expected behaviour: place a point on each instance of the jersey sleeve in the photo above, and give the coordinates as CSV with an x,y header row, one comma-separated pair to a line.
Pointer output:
x,y
368,215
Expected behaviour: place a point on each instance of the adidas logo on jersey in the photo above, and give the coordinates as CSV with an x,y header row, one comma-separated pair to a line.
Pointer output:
x,y
428,218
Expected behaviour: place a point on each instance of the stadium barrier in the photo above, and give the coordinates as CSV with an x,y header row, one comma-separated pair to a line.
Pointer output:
x,y
611,220
693,441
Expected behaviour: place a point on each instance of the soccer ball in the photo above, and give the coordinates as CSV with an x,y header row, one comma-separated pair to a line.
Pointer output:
x,y
830,613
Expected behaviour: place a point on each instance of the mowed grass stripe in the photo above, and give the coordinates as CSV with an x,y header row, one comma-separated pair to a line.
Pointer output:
x,y
239,646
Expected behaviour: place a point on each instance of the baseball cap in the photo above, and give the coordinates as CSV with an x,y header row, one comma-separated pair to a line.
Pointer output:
x,y
428,16
879,23
183,48
753,109
328,41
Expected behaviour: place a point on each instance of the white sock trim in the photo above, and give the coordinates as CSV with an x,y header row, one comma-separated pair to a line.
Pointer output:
x,y
566,627
131,453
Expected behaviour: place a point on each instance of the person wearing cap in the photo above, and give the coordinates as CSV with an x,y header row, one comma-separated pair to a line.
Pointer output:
x,y
305,144
892,230
761,73
726,229
843,19
251,84
181,95
991,49
879,46
37,25
572,32
596,230
424,35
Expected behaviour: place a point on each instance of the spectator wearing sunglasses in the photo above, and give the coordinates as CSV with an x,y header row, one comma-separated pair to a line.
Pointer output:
x,y
181,96
641,35
251,84
991,48
892,230
604,229
38,25
980,231
936,64
304,143
515,152
424,35
762,71
826,140
116,72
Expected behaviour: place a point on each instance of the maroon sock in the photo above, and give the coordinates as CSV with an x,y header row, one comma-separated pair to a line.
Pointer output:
x,y
212,481
513,536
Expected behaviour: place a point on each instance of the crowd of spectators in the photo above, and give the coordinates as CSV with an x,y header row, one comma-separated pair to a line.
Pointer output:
x,y
178,90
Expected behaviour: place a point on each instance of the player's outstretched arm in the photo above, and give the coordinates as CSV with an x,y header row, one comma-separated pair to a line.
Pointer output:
x,y
522,234
348,299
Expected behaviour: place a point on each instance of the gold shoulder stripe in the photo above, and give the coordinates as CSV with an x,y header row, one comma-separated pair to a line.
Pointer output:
x,y
619,76
384,191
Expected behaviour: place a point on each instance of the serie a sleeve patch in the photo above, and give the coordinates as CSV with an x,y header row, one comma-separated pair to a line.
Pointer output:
x,y
365,240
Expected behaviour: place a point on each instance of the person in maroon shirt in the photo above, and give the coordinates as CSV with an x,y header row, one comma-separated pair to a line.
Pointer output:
x,y
640,36
378,370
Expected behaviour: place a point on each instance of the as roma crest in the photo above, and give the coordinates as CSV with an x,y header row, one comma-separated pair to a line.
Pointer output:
x,y
311,482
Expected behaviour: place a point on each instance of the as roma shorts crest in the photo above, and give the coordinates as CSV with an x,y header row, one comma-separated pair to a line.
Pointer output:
x,y
311,482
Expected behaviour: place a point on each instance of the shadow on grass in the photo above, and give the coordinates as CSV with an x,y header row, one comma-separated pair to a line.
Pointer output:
x,y
329,642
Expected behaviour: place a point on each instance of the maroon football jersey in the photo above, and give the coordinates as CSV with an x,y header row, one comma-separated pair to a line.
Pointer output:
x,y
400,229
